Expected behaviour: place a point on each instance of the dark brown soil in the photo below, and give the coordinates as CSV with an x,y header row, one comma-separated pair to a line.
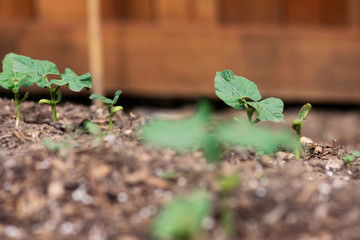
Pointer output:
x,y
110,186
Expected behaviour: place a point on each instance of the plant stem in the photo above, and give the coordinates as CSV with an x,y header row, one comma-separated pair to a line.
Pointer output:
x,y
248,112
298,143
17,104
53,102
110,117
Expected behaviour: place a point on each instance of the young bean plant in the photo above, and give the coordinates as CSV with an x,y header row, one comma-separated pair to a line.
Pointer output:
x,y
297,125
241,93
11,80
38,71
110,104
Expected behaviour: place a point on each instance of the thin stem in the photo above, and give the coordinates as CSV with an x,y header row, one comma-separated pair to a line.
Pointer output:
x,y
298,143
110,117
248,112
17,104
53,102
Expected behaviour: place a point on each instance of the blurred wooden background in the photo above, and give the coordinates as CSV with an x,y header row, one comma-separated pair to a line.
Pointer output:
x,y
299,50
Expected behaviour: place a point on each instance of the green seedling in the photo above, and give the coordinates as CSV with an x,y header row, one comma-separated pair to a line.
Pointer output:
x,y
181,219
297,125
62,147
110,103
11,80
189,133
349,159
37,71
226,184
241,93
199,130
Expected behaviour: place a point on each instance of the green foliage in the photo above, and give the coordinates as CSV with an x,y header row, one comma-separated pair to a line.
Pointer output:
x,y
236,91
12,80
356,154
62,147
199,130
186,133
262,139
228,183
297,125
349,159
27,71
110,103
181,219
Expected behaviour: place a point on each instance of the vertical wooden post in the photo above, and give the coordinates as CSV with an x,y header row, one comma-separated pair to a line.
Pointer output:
x,y
95,46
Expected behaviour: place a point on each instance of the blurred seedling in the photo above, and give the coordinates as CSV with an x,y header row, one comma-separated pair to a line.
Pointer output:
x,y
110,103
297,125
94,130
349,159
62,147
182,218
199,131
226,184
241,93
12,80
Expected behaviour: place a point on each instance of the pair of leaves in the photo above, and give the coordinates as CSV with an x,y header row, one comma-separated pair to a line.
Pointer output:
x,y
35,71
10,79
181,219
235,90
109,102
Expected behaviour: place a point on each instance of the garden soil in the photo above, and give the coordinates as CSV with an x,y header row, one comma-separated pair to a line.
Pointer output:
x,y
60,182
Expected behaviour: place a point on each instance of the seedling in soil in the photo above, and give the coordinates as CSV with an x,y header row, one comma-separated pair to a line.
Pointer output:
x,y
110,103
297,125
182,218
241,93
199,130
11,80
349,159
37,71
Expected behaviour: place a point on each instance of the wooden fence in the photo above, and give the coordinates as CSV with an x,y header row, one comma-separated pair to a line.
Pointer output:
x,y
299,50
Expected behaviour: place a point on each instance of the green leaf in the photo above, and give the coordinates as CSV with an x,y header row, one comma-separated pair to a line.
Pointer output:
x,y
304,112
5,81
116,97
181,219
269,109
45,101
229,183
103,99
243,134
36,69
178,135
234,89
349,158
356,153
76,83
10,79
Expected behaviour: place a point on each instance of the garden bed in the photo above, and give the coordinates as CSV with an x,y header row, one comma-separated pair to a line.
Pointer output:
x,y
60,183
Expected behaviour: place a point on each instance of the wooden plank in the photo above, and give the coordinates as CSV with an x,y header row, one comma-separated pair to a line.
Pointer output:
x,y
293,64
169,11
136,10
61,10
206,11
315,12
255,11
353,16
16,9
